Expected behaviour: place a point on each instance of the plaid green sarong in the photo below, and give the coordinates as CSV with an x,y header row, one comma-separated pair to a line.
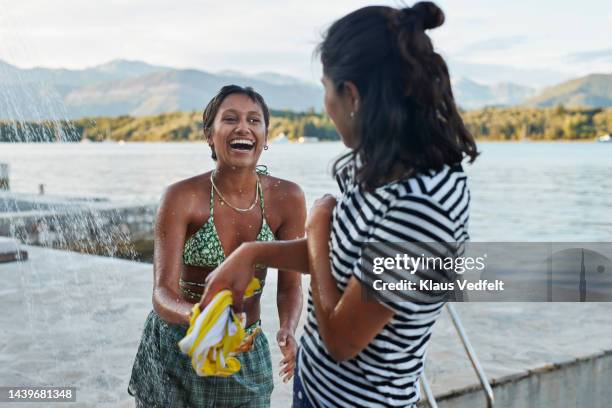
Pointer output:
x,y
163,377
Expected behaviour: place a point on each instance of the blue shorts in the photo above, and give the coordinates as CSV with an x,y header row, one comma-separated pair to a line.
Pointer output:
x,y
300,400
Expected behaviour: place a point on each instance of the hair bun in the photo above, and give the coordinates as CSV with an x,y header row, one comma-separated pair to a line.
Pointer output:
x,y
429,13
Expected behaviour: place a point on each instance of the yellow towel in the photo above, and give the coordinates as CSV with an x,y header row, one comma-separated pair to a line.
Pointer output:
x,y
215,334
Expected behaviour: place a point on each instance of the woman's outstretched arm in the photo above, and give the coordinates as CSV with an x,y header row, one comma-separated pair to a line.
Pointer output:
x,y
291,255
238,269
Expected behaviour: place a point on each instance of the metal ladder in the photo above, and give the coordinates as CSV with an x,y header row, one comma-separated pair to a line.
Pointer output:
x,y
473,359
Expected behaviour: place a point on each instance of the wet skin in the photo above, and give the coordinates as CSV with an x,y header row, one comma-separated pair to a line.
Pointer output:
x,y
234,228
185,208
238,136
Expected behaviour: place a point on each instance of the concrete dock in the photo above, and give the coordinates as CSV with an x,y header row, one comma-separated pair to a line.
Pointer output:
x,y
84,224
535,354
71,319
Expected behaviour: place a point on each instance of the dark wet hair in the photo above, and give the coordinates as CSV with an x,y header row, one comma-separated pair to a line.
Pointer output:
x,y
407,115
210,112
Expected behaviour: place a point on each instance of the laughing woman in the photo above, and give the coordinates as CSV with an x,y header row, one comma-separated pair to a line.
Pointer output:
x,y
201,220
389,95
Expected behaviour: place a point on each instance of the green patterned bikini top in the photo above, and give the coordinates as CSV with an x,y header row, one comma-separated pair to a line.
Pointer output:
x,y
204,247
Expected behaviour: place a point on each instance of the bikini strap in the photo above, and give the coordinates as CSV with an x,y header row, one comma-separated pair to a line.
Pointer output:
x,y
261,196
212,200
261,169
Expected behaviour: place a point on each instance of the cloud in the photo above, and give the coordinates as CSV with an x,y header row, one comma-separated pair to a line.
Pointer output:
x,y
590,56
489,74
494,44
270,35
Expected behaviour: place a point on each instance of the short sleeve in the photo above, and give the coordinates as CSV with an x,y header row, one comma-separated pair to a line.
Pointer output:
x,y
395,265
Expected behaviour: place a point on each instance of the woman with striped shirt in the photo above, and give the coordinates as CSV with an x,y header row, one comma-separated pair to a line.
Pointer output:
x,y
389,95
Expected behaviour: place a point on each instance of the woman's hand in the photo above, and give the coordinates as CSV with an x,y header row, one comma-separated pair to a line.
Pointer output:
x,y
318,228
288,345
321,212
235,274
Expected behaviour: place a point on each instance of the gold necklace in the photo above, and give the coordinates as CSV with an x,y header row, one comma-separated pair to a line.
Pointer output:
x,y
224,200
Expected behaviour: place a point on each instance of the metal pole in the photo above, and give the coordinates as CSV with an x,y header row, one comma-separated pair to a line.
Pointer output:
x,y
472,355
431,399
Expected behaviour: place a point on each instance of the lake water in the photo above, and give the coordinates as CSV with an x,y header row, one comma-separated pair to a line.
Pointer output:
x,y
520,191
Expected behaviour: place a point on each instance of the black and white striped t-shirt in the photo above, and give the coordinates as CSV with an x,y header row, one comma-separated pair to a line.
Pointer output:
x,y
425,208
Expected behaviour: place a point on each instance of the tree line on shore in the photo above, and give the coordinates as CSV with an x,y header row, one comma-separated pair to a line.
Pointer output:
x,y
516,123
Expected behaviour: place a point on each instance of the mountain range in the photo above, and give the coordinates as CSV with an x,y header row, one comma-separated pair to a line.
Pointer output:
x,y
593,90
473,95
123,87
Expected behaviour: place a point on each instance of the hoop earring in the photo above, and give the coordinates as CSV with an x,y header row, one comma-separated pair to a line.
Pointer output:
x,y
266,147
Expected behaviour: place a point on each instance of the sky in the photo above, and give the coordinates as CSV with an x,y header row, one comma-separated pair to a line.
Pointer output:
x,y
279,36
